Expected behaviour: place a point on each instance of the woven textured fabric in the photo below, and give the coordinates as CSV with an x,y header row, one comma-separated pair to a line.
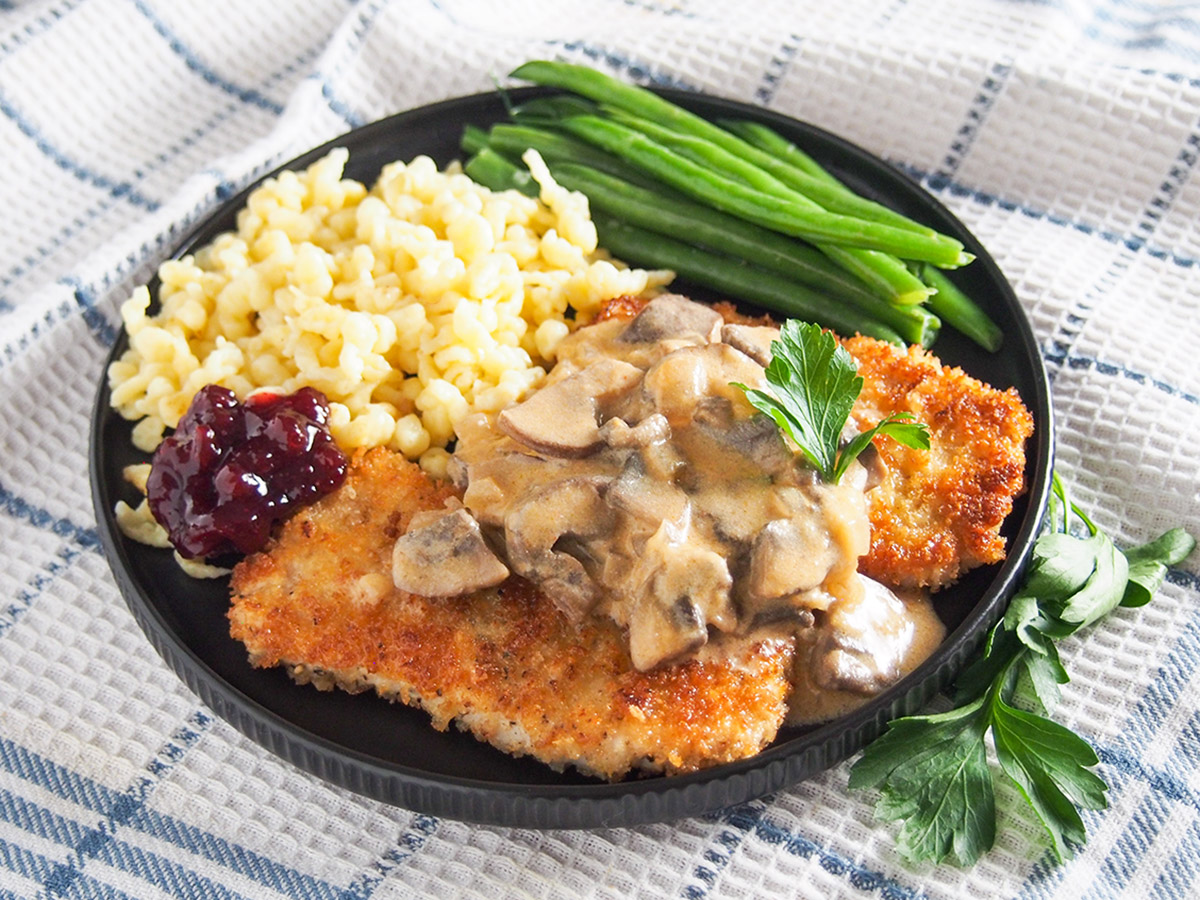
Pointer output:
x,y
1065,134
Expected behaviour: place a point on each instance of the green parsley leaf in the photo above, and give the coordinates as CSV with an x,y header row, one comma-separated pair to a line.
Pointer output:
x,y
1105,587
1038,678
813,384
934,775
1060,565
1048,763
933,772
1148,564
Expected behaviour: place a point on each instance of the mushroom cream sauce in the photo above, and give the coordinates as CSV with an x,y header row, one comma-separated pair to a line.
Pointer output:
x,y
638,483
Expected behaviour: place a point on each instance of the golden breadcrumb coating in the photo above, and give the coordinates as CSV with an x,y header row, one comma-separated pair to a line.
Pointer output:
x,y
503,662
937,513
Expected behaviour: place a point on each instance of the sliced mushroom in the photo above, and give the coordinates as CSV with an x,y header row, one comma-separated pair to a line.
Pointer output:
x,y
647,499
682,379
869,458
654,429
563,512
680,589
789,556
863,641
562,419
753,340
445,556
756,438
673,317
661,632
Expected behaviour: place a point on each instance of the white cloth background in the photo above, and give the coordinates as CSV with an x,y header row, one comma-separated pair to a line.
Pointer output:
x,y
1064,133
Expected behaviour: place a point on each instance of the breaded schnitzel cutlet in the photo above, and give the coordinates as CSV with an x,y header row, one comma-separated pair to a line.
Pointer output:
x,y
507,665
936,513
503,662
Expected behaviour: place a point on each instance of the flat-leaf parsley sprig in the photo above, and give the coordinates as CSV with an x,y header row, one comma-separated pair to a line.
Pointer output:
x,y
933,771
814,383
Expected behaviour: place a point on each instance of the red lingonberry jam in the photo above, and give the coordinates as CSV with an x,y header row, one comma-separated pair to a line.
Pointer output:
x,y
231,470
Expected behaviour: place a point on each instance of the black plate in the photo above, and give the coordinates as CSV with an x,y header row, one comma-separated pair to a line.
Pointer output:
x,y
390,752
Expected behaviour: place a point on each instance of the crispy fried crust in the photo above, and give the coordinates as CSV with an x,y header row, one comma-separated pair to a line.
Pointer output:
x,y
504,663
506,666
937,513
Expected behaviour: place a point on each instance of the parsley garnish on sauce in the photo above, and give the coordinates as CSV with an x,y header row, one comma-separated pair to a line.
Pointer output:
x,y
933,772
814,383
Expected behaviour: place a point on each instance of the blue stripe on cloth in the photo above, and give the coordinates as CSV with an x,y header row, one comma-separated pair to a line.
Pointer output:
x,y
46,20
1189,744
104,331
197,134
68,231
977,113
13,350
1123,15
1125,760
777,68
1176,178
16,506
121,190
338,106
1169,681
412,840
1057,358
1077,317
197,65
35,867
644,73
745,816
129,809
1122,860
25,598
1110,26
231,857
94,842
1177,879
938,185
858,876
367,18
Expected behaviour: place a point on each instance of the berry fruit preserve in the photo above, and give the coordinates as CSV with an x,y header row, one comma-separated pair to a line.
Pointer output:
x,y
231,470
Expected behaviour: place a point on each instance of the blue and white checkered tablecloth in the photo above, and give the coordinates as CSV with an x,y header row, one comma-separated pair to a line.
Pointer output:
x,y
1064,133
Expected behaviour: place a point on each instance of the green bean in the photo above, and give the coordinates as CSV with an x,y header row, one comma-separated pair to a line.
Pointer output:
x,y
766,139
473,139
715,270
886,275
675,215
755,206
549,110
641,102
604,88
961,312
489,168
512,141
735,278
790,154
947,301
812,191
